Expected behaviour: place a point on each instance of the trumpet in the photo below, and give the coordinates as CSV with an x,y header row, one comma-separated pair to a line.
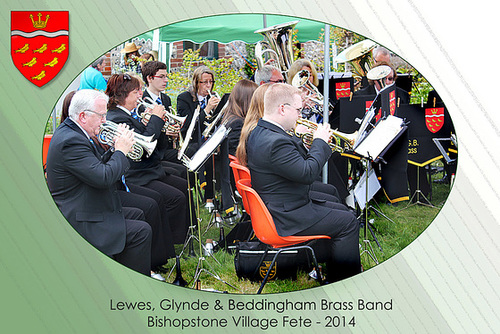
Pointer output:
x,y
109,131
301,80
338,141
171,117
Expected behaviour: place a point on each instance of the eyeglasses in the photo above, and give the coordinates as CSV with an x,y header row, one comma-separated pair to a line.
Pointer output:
x,y
160,76
277,81
126,76
207,82
299,110
102,115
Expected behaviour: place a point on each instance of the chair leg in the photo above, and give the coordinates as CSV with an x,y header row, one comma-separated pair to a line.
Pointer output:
x,y
315,262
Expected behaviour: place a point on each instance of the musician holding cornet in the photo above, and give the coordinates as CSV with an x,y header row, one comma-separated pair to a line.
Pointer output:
x,y
124,90
154,74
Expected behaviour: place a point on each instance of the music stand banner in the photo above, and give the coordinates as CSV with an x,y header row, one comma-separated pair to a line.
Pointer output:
x,y
421,148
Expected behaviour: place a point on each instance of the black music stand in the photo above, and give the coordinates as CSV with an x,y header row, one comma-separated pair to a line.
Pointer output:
x,y
376,141
194,164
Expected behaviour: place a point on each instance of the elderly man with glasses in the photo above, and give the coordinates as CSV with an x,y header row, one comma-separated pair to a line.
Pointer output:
x,y
84,186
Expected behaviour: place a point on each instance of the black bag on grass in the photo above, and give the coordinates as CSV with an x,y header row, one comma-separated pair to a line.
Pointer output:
x,y
251,261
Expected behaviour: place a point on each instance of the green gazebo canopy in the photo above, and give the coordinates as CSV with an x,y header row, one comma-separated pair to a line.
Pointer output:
x,y
234,27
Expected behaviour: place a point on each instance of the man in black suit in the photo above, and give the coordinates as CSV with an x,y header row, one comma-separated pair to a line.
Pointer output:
x,y
84,187
154,74
282,174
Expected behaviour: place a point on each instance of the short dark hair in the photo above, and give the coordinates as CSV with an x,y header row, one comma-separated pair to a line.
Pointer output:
x,y
150,68
119,86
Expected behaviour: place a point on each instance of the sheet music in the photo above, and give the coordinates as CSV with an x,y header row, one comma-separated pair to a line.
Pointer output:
x,y
207,148
378,139
360,188
189,133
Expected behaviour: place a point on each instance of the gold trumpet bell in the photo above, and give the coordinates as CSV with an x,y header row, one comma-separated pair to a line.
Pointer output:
x,y
338,141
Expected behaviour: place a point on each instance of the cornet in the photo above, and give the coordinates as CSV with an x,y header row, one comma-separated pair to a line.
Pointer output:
x,y
109,131
336,137
171,117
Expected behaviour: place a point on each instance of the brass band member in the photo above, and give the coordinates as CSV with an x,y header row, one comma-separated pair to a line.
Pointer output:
x,y
124,91
282,173
199,94
84,187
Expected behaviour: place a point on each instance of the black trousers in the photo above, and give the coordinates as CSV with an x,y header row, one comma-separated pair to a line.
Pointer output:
x,y
173,191
137,252
342,251
149,201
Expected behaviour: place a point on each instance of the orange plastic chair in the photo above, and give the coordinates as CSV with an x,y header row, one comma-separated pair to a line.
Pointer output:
x,y
45,149
233,158
265,230
240,172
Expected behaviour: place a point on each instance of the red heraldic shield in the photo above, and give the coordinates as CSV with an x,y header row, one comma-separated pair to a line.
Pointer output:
x,y
434,119
343,89
392,102
39,43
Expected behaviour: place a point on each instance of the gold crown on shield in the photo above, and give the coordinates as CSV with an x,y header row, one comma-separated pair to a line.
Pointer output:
x,y
39,24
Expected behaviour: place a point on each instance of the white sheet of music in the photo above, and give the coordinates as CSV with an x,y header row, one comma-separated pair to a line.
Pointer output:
x,y
360,188
208,148
378,139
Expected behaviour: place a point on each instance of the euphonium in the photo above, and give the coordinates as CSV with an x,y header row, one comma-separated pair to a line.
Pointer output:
x,y
109,131
278,44
336,137
171,117
301,80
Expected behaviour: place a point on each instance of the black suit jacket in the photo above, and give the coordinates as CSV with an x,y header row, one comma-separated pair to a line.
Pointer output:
x,y
84,187
282,174
148,168
186,107
165,143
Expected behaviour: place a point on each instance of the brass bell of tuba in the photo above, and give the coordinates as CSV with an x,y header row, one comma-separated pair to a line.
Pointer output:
x,y
338,141
277,46
109,131
359,56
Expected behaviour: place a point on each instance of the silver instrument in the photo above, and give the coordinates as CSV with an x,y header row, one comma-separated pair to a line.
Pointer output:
x,y
171,116
301,80
278,46
109,131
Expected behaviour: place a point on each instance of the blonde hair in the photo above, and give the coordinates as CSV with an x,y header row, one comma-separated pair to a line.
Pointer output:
x,y
254,113
297,66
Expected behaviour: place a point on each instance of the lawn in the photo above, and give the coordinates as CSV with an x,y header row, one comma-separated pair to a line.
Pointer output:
x,y
407,223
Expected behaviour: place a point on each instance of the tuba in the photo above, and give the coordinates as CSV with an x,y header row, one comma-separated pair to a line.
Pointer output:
x,y
338,141
359,56
109,131
277,46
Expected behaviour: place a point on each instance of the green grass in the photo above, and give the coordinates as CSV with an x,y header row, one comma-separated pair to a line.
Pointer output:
x,y
409,221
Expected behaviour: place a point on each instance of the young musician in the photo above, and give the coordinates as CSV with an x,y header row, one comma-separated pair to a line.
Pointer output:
x,y
282,174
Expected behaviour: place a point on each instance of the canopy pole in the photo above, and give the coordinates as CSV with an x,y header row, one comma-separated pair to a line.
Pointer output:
x,y
264,21
326,89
